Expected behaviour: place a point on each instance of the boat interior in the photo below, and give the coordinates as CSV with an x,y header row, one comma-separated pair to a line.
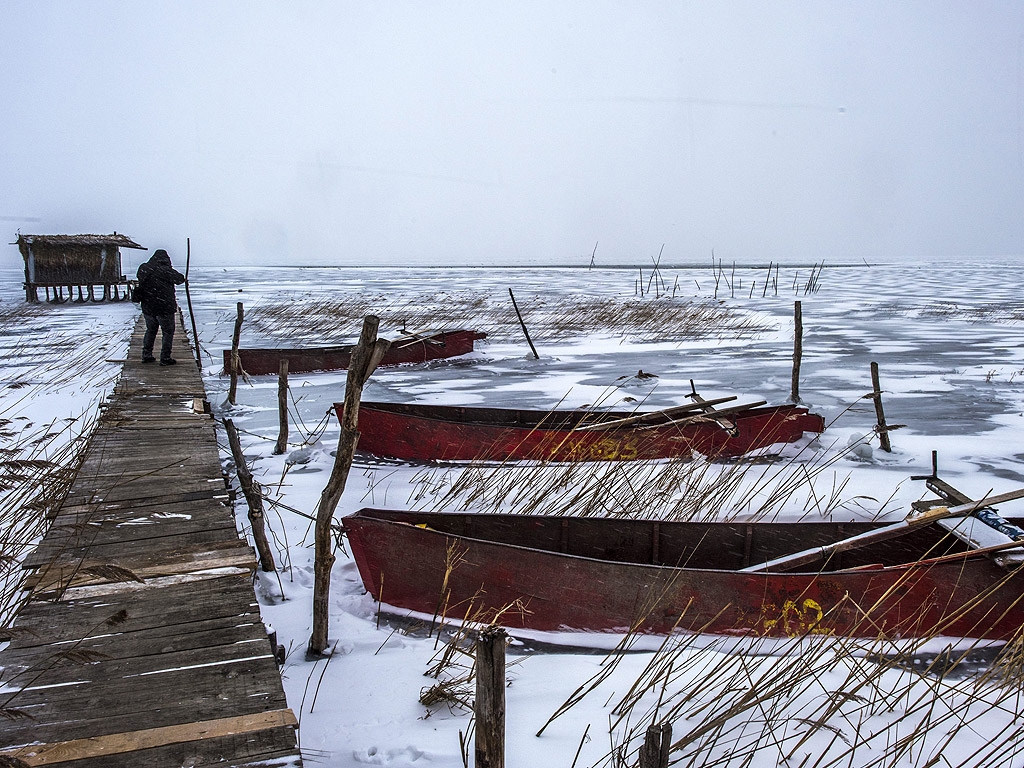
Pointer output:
x,y
512,417
716,546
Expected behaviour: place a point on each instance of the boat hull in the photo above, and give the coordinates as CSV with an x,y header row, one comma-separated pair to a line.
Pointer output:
x,y
568,574
256,361
444,433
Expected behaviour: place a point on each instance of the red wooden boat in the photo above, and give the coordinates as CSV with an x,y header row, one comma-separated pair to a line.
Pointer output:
x,y
410,348
601,574
456,433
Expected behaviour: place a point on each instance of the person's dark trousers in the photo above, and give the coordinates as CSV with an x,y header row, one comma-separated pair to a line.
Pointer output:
x,y
166,325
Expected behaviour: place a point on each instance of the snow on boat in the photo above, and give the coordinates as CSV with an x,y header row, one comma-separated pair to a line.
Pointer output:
x,y
408,348
601,574
456,433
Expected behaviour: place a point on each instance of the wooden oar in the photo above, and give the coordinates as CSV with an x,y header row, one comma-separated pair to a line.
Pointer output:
x,y
993,529
719,413
408,337
911,523
652,415
705,405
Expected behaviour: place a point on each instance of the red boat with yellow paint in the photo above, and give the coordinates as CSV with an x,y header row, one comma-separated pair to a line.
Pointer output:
x,y
406,348
416,432
607,574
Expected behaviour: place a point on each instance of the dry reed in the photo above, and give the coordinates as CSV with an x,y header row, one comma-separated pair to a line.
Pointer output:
x,y
549,318
695,489
810,701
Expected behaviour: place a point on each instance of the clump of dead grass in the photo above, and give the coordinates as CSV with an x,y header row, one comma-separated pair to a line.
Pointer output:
x,y
996,312
549,318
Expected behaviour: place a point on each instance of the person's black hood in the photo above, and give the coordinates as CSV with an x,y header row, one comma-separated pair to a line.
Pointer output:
x,y
160,258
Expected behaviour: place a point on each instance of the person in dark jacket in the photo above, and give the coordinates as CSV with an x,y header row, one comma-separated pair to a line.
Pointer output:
x,y
157,279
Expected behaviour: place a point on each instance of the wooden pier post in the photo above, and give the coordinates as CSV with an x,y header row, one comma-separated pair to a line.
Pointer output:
x,y
490,698
876,395
798,350
519,315
365,357
654,752
253,498
282,408
236,365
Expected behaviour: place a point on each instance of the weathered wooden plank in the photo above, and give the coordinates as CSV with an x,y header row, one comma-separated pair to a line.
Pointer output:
x,y
269,748
211,488
145,501
150,525
179,697
115,512
127,455
142,487
140,627
163,536
170,547
83,573
163,639
68,665
162,604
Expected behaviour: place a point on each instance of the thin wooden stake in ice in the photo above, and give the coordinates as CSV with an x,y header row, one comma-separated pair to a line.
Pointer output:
x,y
282,408
526,332
253,498
798,350
490,698
188,300
876,395
367,353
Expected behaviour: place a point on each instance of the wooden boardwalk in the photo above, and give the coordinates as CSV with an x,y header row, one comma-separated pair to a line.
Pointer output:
x,y
142,643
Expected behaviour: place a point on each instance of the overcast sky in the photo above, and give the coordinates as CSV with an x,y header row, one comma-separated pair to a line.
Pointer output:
x,y
512,133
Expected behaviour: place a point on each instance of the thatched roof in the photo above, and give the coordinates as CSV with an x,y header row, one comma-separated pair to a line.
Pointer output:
x,y
122,241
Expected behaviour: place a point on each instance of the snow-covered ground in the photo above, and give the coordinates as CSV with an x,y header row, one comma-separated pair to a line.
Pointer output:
x,y
947,339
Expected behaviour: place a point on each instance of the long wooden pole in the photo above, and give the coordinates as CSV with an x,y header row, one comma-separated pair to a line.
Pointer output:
x,y
188,299
519,315
282,408
236,365
490,698
814,554
876,395
252,497
648,416
369,349
798,350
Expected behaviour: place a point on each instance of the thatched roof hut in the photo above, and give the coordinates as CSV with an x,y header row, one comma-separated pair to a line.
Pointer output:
x,y
68,260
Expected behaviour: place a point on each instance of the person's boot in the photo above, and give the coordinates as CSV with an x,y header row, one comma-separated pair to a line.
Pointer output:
x,y
148,359
169,361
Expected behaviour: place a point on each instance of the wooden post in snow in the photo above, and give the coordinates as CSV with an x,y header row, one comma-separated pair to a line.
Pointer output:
x,y
490,698
236,365
876,395
252,497
365,358
654,752
282,408
519,315
798,350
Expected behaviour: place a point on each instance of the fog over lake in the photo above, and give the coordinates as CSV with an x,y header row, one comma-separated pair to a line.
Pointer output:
x,y
475,133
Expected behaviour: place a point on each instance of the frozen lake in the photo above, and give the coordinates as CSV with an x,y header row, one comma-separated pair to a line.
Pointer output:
x,y
948,342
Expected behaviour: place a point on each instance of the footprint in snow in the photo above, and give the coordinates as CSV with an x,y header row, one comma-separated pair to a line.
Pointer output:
x,y
376,756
